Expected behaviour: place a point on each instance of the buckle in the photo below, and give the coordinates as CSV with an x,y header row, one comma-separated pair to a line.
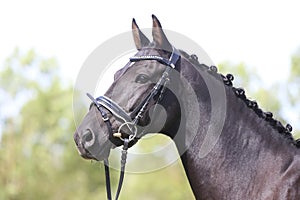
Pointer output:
x,y
105,118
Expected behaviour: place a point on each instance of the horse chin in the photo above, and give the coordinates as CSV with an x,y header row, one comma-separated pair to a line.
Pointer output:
x,y
98,151
101,152
101,155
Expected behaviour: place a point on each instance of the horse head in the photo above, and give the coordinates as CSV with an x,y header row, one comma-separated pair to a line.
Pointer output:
x,y
126,109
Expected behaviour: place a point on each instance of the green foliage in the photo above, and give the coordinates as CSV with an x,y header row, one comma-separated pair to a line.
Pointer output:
x,y
38,157
248,79
243,75
269,98
295,66
294,81
166,183
28,58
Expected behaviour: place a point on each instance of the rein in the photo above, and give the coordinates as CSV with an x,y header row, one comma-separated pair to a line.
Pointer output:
x,y
131,120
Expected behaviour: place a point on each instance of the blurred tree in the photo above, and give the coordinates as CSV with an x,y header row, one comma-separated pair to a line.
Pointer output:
x,y
38,157
293,88
280,97
169,182
247,78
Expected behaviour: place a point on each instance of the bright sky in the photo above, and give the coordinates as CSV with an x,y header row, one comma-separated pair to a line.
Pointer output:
x,y
263,34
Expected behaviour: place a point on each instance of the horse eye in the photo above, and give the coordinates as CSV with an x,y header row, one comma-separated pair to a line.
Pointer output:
x,y
142,78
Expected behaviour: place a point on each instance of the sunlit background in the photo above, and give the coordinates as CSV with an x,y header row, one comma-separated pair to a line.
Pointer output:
x,y
263,34
47,42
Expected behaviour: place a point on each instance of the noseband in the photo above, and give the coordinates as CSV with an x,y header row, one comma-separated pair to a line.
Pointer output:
x,y
131,120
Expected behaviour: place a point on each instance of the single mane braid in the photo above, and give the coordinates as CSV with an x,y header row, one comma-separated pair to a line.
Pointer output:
x,y
240,93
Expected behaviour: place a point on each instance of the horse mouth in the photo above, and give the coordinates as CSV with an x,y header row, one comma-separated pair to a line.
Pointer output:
x,y
87,155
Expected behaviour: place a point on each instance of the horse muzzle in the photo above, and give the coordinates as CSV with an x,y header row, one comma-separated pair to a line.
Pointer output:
x,y
91,137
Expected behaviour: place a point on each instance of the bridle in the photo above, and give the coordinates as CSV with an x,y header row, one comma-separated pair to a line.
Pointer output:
x,y
131,120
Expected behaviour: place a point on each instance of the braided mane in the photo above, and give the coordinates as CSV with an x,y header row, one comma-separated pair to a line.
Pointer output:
x,y
240,93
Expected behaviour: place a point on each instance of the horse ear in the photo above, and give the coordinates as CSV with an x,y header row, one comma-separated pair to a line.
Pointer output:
x,y
139,38
159,36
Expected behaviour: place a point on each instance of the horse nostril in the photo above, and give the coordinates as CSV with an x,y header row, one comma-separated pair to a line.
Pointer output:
x,y
88,138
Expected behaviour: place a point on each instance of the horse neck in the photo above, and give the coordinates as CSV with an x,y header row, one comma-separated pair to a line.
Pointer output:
x,y
238,143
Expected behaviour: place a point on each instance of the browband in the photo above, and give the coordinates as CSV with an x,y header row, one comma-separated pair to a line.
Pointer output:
x,y
169,62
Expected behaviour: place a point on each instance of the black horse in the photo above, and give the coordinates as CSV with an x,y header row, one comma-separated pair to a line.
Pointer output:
x,y
229,147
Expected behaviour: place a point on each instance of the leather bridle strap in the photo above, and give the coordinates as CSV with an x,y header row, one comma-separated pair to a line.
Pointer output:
x,y
107,179
114,108
119,113
159,87
122,172
127,120
106,163
168,62
138,112
102,112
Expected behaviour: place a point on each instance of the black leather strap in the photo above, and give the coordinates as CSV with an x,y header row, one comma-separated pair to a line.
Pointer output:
x,y
122,172
120,114
168,62
114,108
107,179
